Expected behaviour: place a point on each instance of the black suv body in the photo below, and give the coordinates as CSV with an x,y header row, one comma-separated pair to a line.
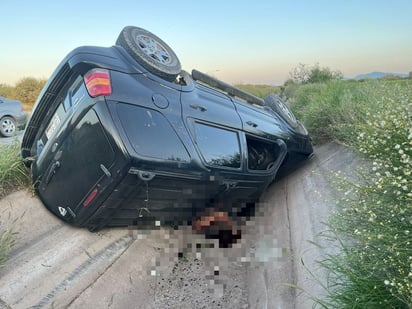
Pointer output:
x,y
111,142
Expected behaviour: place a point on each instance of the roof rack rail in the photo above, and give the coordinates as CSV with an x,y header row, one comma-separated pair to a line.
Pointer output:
x,y
229,89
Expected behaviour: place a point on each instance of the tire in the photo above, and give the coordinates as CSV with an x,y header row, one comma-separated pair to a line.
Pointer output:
x,y
150,52
7,126
279,106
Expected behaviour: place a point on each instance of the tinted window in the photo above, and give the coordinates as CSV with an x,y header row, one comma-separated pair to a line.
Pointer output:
x,y
88,144
61,112
219,147
74,95
150,134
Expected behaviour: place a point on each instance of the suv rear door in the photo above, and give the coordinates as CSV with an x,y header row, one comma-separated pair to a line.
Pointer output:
x,y
77,166
75,156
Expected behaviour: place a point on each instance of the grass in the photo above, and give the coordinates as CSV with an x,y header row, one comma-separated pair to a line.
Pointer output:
x,y
373,229
13,176
260,91
13,173
6,243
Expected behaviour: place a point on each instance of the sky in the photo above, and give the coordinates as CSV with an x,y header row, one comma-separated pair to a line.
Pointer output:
x,y
256,42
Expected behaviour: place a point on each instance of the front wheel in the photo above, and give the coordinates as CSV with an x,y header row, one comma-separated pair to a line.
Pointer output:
x,y
7,126
280,107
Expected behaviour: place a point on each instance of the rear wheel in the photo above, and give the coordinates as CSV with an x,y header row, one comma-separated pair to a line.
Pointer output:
x,y
150,52
7,126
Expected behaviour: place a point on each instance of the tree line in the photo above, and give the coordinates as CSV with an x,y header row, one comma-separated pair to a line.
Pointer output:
x,y
26,90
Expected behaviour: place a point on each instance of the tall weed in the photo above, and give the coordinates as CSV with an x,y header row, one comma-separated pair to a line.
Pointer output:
x,y
13,173
332,110
373,230
6,243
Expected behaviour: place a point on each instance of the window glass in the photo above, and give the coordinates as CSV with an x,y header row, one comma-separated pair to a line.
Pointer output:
x,y
219,147
150,134
88,145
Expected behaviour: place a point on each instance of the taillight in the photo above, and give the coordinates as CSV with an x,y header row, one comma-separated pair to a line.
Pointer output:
x,y
98,82
91,197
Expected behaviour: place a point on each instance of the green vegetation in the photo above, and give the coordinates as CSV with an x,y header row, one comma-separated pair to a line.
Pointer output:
x,y
6,243
13,176
374,227
26,90
13,172
332,110
260,91
305,74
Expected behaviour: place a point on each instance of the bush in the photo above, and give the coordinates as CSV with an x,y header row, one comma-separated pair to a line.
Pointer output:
x,y
28,89
305,74
6,91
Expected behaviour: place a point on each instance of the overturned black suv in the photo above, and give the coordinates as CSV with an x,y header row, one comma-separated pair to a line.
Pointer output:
x,y
121,134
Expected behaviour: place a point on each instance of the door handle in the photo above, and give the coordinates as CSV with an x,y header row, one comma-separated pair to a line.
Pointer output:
x,y
56,164
195,106
251,123
51,172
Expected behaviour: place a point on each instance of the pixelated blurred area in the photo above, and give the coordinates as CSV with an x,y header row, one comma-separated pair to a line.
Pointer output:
x,y
204,263
217,225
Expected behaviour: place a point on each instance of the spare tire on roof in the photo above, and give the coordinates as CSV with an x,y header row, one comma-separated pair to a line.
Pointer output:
x,y
150,52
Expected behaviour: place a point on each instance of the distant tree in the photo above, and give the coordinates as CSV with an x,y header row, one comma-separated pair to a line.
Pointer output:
x,y
28,88
286,88
410,75
390,77
6,91
306,74
300,74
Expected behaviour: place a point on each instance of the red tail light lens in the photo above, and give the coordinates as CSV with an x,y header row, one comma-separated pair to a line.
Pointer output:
x,y
91,197
98,82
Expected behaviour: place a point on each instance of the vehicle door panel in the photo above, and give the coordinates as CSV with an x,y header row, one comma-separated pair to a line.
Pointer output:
x,y
211,107
77,166
259,122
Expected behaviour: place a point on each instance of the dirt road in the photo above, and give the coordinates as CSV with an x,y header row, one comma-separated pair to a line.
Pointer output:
x,y
53,265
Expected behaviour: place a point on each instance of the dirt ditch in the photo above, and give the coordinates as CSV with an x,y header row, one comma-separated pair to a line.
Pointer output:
x,y
53,265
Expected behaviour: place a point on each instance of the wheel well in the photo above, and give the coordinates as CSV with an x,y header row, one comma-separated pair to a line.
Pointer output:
x,y
10,116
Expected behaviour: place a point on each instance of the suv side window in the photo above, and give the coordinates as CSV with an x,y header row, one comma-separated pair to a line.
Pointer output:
x,y
219,147
66,103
